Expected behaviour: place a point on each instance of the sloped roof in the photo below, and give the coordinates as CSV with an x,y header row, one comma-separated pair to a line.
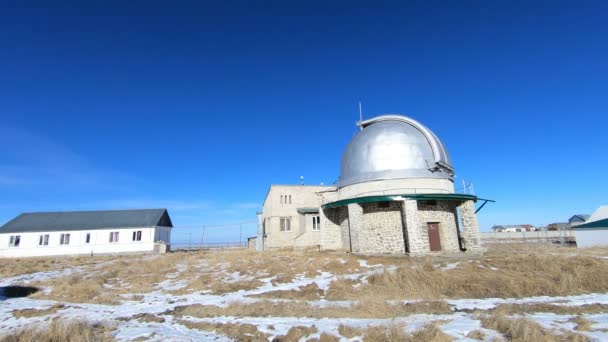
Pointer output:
x,y
87,220
583,217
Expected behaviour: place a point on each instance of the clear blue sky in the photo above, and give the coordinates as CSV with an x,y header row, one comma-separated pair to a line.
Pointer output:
x,y
201,106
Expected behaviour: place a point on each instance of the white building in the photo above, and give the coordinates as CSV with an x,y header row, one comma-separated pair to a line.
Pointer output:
x,y
86,232
594,232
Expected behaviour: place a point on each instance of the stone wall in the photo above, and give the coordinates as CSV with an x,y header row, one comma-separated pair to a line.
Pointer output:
x,y
417,238
375,229
444,213
334,224
382,229
470,229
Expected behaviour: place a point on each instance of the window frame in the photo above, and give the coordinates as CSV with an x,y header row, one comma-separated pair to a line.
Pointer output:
x,y
137,235
316,223
114,237
14,241
64,239
285,224
43,240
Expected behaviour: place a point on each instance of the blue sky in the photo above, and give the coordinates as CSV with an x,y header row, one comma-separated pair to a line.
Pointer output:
x,y
200,106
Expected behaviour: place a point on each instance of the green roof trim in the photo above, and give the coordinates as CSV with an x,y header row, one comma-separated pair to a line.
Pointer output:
x,y
419,197
308,210
592,225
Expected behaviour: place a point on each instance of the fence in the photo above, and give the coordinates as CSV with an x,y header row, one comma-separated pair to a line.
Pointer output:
x,y
212,236
209,245
563,237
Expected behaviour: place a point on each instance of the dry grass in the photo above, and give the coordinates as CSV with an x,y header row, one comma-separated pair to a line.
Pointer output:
x,y
510,309
296,333
307,292
498,274
37,312
476,335
349,332
18,266
582,324
144,317
59,331
524,330
325,337
429,333
303,309
238,332
504,271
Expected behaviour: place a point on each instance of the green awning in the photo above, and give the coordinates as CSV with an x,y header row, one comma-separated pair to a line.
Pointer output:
x,y
308,210
419,197
592,225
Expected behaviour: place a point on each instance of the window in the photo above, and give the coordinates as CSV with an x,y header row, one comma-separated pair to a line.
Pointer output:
x,y
113,236
285,224
137,235
44,240
316,223
281,199
64,239
14,241
88,238
289,199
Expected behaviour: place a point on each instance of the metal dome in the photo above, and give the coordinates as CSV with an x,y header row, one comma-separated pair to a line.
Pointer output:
x,y
394,147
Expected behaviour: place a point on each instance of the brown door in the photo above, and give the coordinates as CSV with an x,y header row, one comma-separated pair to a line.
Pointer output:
x,y
434,240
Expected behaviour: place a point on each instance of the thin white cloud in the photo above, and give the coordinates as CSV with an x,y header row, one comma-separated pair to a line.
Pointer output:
x,y
31,160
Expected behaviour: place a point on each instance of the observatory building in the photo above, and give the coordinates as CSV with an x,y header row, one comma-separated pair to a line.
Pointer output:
x,y
395,195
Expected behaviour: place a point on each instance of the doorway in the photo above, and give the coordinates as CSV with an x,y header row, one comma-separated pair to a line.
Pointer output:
x,y
434,237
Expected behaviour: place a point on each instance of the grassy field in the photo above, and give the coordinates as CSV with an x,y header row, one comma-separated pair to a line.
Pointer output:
x,y
239,294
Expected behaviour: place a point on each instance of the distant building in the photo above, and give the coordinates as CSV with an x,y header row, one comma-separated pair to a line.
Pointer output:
x,y
514,228
395,195
578,219
556,226
86,232
594,232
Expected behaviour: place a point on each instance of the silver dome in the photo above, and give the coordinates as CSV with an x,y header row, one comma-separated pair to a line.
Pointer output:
x,y
394,147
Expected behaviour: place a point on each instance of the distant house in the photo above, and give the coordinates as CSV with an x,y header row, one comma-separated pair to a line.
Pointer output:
x,y
514,228
558,226
578,219
86,232
594,232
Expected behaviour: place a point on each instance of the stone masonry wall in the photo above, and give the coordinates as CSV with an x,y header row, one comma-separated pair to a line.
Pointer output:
x,y
376,230
470,229
418,239
333,223
443,212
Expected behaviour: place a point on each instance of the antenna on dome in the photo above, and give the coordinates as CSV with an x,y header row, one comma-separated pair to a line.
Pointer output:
x,y
360,116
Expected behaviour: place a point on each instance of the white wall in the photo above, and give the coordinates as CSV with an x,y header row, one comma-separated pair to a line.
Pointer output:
x,y
302,196
99,242
590,238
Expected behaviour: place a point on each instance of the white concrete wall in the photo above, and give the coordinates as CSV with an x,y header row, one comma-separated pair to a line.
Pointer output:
x,y
302,196
397,187
99,242
591,238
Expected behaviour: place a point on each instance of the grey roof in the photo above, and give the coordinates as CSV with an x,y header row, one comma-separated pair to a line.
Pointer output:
x,y
583,217
87,220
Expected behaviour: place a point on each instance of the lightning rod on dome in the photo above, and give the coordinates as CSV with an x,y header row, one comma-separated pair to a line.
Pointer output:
x,y
360,116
